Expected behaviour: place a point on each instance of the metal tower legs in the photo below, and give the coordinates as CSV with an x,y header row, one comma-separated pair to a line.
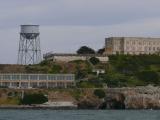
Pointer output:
x,y
29,51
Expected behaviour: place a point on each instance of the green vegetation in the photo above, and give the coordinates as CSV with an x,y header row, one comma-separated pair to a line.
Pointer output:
x,y
149,77
90,84
99,93
101,51
81,69
35,98
55,69
76,93
85,50
128,70
44,63
94,60
121,71
10,101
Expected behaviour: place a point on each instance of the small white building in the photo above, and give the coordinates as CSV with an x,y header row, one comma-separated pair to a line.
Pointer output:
x,y
98,71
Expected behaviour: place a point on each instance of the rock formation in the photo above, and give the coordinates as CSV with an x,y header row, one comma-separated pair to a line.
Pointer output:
x,y
133,98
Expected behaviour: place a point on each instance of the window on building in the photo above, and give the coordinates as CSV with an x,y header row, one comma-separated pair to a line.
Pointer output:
x,y
154,43
42,77
133,48
25,77
6,77
143,42
51,77
127,48
154,48
133,43
34,77
15,77
146,48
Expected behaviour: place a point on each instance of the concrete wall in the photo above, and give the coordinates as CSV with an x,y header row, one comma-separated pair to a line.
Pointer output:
x,y
72,57
68,58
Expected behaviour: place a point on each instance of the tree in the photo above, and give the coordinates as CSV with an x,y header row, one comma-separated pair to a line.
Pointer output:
x,y
80,73
44,62
99,93
115,80
94,60
85,50
35,98
149,77
101,51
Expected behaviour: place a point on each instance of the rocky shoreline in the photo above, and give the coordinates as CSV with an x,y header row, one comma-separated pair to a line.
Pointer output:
x,y
39,107
147,97
134,98
126,98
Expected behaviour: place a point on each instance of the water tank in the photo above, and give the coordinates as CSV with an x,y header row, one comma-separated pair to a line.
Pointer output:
x,y
29,28
30,31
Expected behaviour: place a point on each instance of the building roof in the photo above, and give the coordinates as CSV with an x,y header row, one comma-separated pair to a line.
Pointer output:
x,y
72,54
153,38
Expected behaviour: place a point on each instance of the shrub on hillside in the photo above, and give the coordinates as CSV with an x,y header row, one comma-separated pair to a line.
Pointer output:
x,y
44,62
35,98
80,74
94,60
149,77
85,84
89,84
116,80
99,93
56,69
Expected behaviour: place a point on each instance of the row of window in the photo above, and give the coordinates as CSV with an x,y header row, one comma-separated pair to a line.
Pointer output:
x,y
143,42
141,48
36,77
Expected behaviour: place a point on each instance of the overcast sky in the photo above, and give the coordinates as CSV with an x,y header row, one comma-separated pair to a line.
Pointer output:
x,y
65,25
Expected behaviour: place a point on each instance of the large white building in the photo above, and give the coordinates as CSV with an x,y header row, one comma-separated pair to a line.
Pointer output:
x,y
37,80
132,45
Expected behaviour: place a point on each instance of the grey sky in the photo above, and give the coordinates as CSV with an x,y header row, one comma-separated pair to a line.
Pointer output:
x,y
65,25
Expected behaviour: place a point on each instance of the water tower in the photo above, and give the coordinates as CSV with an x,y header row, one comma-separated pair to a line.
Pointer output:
x,y
29,45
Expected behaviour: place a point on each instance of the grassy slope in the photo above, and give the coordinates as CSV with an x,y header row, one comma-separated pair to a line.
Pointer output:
x,y
127,70
122,70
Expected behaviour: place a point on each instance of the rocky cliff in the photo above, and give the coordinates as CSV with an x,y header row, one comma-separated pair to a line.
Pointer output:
x,y
123,98
133,98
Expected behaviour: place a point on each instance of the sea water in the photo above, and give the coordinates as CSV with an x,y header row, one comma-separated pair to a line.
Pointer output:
x,y
79,114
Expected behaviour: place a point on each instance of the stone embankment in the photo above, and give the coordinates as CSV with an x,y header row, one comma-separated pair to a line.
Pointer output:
x,y
133,98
